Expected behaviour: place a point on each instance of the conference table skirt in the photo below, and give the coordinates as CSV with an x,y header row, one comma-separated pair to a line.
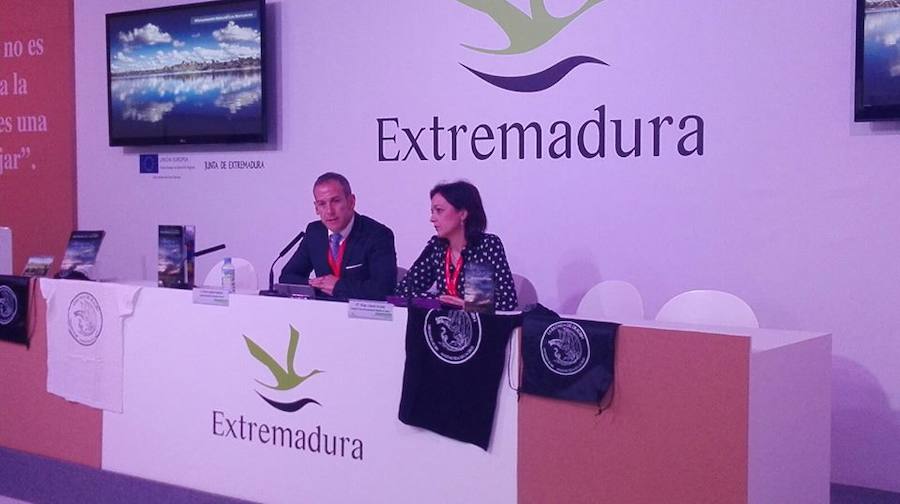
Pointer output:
x,y
695,415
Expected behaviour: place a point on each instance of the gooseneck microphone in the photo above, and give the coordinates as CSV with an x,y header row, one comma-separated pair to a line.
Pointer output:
x,y
207,251
284,251
287,249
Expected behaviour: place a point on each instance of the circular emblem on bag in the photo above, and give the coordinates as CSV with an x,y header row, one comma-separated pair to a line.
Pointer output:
x,y
85,319
453,336
9,305
565,348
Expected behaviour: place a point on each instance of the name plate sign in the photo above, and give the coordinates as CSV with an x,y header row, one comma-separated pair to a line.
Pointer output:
x,y
373,310
216,296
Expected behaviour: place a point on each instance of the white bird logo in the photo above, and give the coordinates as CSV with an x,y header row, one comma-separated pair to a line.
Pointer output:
x,y
455,330
566,346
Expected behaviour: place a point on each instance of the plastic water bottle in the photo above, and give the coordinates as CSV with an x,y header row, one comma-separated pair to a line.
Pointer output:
x,y
228,275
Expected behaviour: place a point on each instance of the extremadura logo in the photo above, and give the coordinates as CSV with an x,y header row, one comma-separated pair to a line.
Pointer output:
x,y
527,33
596,134
315,440
285,379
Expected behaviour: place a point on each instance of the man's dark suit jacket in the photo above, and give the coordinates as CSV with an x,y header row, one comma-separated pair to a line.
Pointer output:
x,y
369,266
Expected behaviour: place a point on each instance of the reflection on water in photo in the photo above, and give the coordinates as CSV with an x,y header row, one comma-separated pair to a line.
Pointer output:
x,y
176,98
882,57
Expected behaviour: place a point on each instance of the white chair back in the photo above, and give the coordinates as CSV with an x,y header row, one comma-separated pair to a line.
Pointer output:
x,y
613,300
525,291
6,262
710,307
244,275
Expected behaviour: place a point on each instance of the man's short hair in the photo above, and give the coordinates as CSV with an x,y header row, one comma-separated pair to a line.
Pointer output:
x,y
336,177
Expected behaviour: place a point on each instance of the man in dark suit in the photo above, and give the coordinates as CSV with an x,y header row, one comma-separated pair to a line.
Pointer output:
x,y
352,255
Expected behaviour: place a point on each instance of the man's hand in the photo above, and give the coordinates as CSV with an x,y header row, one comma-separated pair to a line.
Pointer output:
x,y
325,283
451,300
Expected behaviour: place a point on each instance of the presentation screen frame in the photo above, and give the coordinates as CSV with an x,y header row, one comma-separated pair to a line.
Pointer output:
x,y
877,76
188,74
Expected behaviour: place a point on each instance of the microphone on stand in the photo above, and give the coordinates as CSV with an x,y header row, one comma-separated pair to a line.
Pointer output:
x,y
189,263
271,290
207,251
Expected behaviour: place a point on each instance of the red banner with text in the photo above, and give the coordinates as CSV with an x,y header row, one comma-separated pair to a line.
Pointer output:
x,y
37,126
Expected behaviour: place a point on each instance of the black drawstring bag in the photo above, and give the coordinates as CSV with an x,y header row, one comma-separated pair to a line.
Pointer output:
x,y
15,294
566,358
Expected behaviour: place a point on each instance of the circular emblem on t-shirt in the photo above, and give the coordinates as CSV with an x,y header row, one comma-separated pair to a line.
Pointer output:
x,y
565,348
453,336
85,319
9,305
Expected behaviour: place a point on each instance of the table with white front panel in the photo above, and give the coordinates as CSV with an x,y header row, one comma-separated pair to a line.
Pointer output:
x,y
700,414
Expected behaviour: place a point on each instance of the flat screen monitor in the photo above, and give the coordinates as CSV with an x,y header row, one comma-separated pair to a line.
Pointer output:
x,y
877,60
187,74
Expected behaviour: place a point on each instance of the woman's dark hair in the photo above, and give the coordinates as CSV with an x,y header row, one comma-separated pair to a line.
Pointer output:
x,y
464,196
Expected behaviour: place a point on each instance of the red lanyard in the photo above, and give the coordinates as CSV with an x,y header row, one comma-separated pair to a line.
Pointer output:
x,y
452,278
336,263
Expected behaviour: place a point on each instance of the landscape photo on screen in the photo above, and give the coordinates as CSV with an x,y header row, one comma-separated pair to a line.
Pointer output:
x,y
191,71
881,53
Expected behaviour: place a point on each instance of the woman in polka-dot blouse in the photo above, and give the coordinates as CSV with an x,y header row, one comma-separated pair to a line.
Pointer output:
x,y
459,220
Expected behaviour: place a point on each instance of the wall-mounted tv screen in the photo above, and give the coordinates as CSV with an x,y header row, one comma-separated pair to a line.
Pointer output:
x,y
187,74
877,60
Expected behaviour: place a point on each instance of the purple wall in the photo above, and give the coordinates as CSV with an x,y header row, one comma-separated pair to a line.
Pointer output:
x,y
791,206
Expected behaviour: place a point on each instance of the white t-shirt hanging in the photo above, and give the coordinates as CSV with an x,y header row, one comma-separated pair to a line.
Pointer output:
x,y
84,340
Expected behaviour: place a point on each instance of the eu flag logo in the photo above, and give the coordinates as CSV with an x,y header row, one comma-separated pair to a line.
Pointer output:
x,y
149,163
